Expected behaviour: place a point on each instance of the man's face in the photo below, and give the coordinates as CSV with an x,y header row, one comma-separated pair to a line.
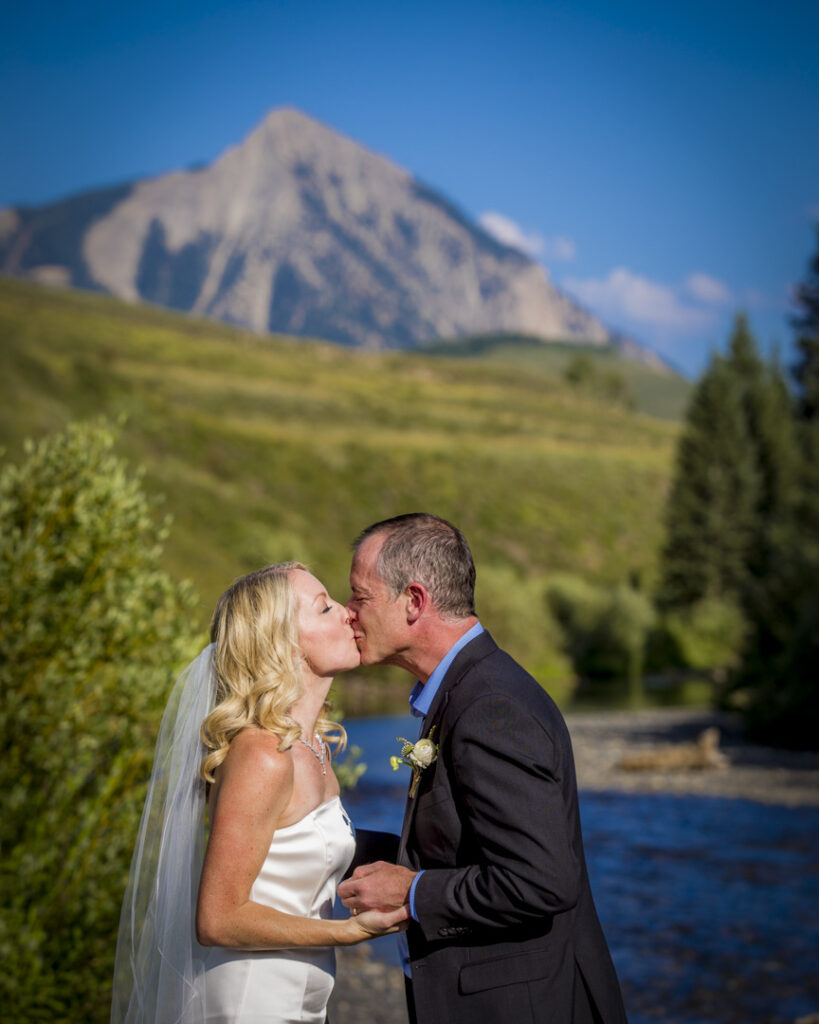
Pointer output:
x,y
379,620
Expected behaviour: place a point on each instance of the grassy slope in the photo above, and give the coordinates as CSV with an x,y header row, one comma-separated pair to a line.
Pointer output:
x,y
659,394
270,448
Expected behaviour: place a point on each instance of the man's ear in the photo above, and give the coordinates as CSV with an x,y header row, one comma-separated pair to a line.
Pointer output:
x,y
418,601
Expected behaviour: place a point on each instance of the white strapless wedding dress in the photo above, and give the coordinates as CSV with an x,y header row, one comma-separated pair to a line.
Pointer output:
x,y
304,864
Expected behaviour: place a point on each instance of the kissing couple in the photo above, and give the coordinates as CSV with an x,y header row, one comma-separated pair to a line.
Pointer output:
x,y
243,841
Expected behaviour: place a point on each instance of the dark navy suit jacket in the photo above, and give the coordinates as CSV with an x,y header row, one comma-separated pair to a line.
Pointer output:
x,y
507,929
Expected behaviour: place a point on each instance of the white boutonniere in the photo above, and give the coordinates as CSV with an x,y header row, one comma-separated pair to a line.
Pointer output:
x,y
418,756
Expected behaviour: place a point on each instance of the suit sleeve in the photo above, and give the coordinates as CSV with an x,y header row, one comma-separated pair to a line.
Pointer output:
x,y
506,769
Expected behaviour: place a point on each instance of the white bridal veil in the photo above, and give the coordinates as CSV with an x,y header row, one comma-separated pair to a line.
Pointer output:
x,y
158,959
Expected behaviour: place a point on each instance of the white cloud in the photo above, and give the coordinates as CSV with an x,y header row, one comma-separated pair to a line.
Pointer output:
x,y
558,249
506,231
708,290
624,295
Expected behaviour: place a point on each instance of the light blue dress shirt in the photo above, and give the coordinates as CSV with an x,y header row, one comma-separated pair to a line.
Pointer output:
x,y
421,700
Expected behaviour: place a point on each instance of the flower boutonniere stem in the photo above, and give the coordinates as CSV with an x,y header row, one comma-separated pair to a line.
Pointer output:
x,y
418,756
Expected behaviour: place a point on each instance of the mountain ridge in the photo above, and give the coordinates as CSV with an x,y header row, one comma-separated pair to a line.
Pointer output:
x,y
297,229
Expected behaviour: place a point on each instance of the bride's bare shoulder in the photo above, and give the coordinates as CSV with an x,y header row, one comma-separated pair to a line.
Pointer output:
x,y
259,751
254,784
254,738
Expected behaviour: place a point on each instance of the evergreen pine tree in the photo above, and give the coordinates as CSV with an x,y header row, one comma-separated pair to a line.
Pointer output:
x,y
806,323
714,495
733,491
806,373
780,671
767,410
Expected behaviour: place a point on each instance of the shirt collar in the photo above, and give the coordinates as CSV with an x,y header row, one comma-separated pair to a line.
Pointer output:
x,y
423,694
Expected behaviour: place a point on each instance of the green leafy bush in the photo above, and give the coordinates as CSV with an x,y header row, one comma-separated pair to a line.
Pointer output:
x,y
586,373
511,607
605,628
707,636
91,633
349,768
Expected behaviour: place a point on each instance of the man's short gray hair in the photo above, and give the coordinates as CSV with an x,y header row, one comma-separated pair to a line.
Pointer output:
x,y
423,548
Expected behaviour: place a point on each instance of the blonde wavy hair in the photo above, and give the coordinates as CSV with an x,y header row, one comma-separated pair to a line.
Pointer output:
x,y
258,665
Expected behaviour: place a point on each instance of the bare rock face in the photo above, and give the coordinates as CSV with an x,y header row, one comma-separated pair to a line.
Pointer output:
x,y
299,230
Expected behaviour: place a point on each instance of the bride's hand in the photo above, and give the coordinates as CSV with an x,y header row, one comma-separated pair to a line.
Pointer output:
x,y
370,924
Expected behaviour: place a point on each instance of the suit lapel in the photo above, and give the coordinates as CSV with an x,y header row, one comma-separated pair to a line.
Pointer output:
x,y
475,650
412,802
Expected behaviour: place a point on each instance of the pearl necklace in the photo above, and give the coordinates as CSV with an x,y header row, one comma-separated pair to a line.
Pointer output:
x,y
317,753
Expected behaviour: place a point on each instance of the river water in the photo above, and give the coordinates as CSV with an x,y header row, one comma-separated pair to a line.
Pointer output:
x,y
710,906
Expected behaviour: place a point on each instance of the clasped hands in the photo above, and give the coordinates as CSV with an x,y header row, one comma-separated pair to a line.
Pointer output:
x,y
378,886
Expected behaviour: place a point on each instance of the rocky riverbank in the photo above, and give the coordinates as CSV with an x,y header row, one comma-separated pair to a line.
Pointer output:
x,y
367,991
604,742
370,991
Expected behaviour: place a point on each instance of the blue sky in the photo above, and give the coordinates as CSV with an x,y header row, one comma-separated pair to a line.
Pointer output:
x,y
661,160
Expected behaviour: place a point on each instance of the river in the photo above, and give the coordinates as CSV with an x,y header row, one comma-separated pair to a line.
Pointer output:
x,y
710,905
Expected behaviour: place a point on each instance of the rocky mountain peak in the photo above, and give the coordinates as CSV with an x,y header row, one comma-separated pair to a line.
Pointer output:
x,y
301,230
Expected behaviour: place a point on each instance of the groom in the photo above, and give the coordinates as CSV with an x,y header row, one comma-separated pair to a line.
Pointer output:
x,y
491,855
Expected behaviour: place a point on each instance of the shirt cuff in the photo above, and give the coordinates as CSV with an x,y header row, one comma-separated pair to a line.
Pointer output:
x,y
412,896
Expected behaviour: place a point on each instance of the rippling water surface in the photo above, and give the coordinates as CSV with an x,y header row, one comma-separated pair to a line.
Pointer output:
x,y
710,906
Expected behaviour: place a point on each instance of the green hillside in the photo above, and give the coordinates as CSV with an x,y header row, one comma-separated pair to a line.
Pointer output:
x,y
649,391
268,448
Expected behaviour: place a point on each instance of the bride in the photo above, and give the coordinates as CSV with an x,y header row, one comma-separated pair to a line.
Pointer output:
x,y
236,926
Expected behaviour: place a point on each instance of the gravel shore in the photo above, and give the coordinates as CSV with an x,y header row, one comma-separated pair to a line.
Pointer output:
x,y
370,991
367,991
602,740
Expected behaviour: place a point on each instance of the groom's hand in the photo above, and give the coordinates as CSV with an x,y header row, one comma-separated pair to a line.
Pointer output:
x,y
379,886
